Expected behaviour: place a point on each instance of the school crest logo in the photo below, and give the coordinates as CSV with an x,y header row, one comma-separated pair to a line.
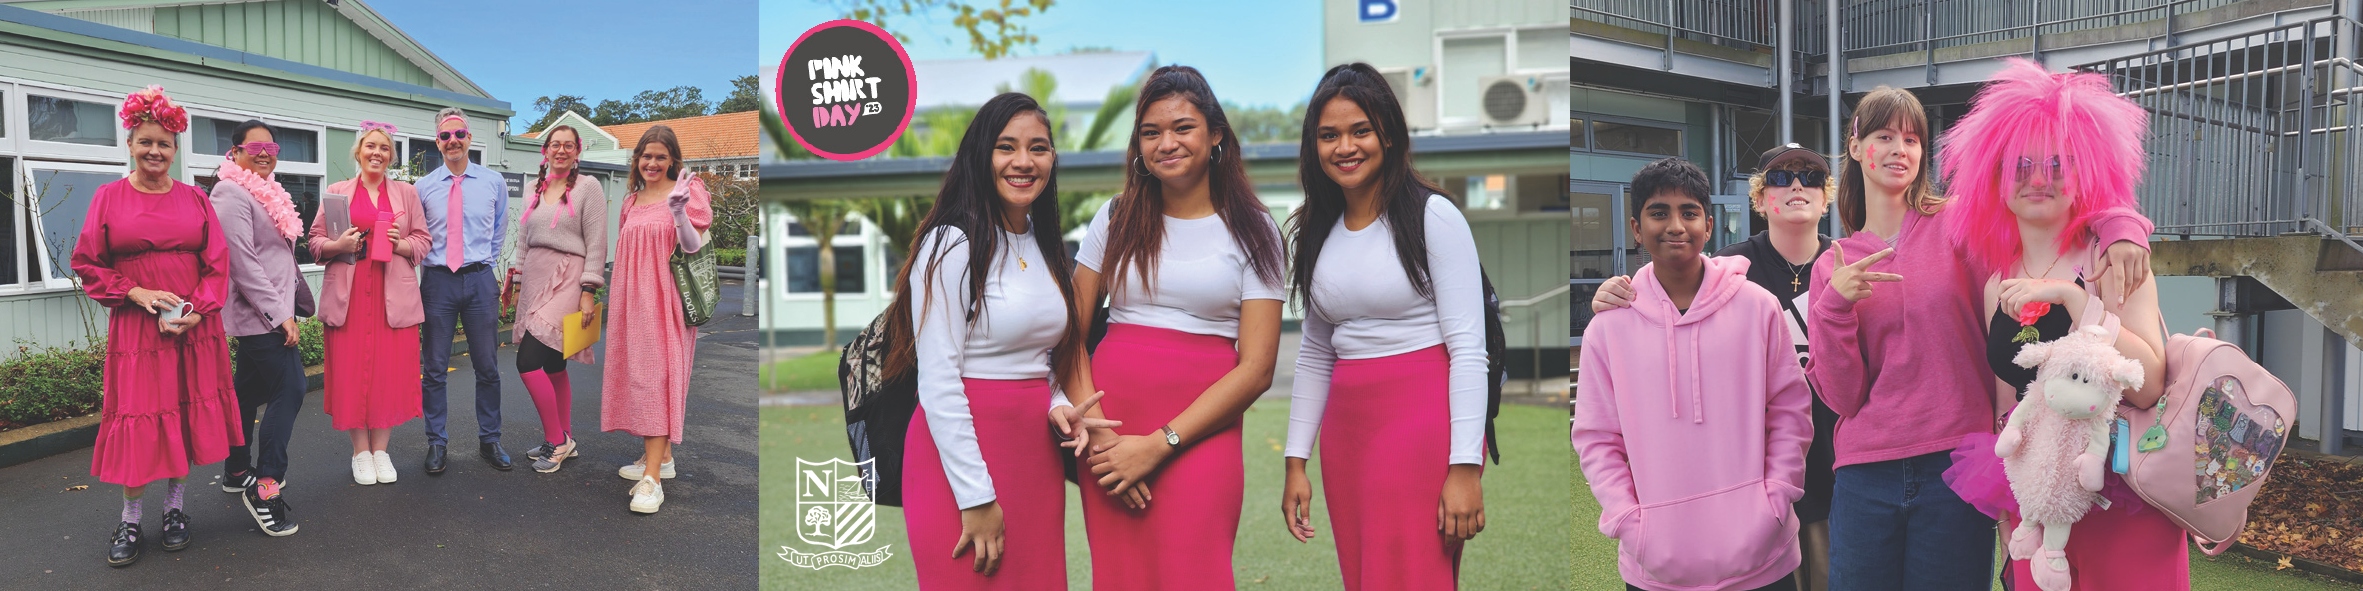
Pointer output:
x,y
832,512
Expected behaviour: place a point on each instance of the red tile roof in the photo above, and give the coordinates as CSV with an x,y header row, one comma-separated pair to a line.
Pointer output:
x,y
728,135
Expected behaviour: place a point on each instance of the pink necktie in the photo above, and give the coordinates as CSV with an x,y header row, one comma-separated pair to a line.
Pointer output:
x,y
454,217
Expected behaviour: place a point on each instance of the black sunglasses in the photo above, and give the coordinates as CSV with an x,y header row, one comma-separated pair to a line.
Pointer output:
x,y
1782,178
457,134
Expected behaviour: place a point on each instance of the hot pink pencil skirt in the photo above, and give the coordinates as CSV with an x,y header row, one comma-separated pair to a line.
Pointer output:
x,y
1386,439
1012,420
1183,540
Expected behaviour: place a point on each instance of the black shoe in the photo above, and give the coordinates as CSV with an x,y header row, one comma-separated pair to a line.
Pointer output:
x,y
539,451
498,457
269,513
176,530
435,459
238,482
126,549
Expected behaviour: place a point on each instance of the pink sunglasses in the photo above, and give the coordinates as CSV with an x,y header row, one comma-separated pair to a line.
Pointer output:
x,y
264,148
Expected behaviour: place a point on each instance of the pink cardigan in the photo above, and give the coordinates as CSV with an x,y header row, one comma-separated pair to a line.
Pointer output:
x,y
403,309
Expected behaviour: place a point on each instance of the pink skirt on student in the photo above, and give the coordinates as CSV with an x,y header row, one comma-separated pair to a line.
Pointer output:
x,y
2127,546
1184,539
1386,442
1012,420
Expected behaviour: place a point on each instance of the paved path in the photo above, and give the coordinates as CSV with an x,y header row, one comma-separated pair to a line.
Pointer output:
x,y
471,527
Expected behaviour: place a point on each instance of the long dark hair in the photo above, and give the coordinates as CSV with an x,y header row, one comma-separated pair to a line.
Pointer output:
x,y
970,203
1405,194
1136,219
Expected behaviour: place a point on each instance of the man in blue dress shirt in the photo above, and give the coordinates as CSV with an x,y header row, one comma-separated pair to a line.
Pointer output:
x,y
465,204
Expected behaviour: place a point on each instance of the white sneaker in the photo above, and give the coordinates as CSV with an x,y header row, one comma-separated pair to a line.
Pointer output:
x,y
364,468
385,466
635,470
647,496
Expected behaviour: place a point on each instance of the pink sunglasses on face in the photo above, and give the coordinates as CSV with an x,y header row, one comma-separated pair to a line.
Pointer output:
x,y
264,148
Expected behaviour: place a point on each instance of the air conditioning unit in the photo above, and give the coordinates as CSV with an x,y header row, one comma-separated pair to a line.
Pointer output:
x,y
1415,90
1516,100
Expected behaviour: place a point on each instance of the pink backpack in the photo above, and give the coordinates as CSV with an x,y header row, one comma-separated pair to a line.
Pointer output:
x,y
2224,420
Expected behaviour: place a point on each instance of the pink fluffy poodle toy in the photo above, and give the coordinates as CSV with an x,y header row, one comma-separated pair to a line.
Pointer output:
x,y
2057,440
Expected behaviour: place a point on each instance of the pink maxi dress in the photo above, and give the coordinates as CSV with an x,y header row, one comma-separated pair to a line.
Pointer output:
x,y
167,401
370,379
650,345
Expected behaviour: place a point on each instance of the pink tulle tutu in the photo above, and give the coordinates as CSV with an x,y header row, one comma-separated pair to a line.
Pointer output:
x,y
1977,477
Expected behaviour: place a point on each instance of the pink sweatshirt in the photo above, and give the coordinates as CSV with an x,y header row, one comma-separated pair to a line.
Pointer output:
x,y
1905,369
1691,428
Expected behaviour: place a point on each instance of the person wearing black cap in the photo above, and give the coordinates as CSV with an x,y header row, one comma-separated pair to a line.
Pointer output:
x,y
1790,189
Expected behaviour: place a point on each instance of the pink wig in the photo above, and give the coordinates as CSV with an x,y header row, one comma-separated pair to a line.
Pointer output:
x,y
2027,111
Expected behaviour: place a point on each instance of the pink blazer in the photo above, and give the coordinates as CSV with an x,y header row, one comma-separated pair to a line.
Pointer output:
x,y
403,309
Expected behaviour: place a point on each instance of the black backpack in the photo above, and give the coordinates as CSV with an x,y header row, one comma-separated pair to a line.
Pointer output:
x,y
1497,368
877,410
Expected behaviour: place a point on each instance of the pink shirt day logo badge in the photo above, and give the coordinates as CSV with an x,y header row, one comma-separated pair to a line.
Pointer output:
x,y
846,90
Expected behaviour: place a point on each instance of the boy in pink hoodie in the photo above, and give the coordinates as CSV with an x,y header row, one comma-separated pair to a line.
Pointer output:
x,y
1691,415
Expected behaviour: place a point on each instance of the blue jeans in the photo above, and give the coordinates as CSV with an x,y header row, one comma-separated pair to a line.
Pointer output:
x,y
1895,525
472,301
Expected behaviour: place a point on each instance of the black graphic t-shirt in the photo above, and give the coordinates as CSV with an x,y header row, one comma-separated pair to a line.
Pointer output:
x,y
1790,283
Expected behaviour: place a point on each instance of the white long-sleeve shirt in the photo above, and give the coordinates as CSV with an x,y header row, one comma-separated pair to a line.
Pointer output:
x,y
1022,317
1202,277
1365,308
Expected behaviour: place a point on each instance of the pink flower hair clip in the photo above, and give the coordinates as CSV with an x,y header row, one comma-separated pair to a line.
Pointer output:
x,y
150,104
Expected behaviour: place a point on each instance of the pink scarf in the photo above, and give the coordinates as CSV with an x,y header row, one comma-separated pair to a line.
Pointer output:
x,y
273,197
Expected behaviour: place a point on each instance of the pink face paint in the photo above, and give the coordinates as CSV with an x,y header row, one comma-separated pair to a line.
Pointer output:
x,y
1776,210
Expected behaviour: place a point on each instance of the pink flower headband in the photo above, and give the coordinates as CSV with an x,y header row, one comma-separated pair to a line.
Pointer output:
x,y
367,126
151,105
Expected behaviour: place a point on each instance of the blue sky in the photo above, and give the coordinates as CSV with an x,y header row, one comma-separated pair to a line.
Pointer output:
x,y
596,49
1256,53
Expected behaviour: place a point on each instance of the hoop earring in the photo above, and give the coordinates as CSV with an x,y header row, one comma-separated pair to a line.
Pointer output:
x,y
1218,154
1144,168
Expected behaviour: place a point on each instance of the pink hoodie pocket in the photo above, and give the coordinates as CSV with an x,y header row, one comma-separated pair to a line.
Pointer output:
x,y
1707,539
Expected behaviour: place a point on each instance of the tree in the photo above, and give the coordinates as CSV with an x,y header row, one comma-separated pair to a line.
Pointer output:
x,y
816,517
746,94
1266,124
824,217
552,107
737,208
992,31
675,103
615,112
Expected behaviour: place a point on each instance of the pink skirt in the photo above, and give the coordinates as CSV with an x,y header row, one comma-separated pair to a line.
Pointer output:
x,y
1386,442
1184,539
2118,548
1012,419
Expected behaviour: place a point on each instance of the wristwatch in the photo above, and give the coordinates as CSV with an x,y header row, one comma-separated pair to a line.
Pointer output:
x,y
1171,438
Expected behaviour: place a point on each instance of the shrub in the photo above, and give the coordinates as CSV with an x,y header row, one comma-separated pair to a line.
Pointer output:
x,y
730,257
43,385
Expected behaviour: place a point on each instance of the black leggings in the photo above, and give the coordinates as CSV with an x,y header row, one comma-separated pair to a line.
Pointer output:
x,y
533,355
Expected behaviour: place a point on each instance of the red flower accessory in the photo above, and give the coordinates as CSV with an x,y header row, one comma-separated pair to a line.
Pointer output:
x,y
2027,315
151,105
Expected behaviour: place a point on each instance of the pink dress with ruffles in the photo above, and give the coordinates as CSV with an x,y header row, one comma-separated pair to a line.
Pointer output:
x,y
167,400
650,345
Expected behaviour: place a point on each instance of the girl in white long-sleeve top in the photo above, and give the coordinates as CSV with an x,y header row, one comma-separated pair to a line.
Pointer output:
x,y
1394,327
989,314
1191,263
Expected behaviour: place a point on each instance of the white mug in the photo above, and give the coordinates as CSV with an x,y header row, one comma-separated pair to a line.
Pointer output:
x,y
171,313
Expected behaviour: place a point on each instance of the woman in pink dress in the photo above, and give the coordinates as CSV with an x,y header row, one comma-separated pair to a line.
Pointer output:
x,y
650,341
153,253
564,234
369,299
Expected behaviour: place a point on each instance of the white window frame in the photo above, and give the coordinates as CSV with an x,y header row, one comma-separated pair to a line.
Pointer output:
x,y
20,103
191,160
867,239
12,116
44,268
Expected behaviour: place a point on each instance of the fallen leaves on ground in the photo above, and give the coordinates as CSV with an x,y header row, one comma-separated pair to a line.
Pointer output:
x,y
2311,509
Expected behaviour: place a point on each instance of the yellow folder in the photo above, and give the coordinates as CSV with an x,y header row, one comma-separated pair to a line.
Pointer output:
x,y
579,337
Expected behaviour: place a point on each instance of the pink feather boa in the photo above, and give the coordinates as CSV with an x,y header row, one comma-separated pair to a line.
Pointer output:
x,y
273,197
